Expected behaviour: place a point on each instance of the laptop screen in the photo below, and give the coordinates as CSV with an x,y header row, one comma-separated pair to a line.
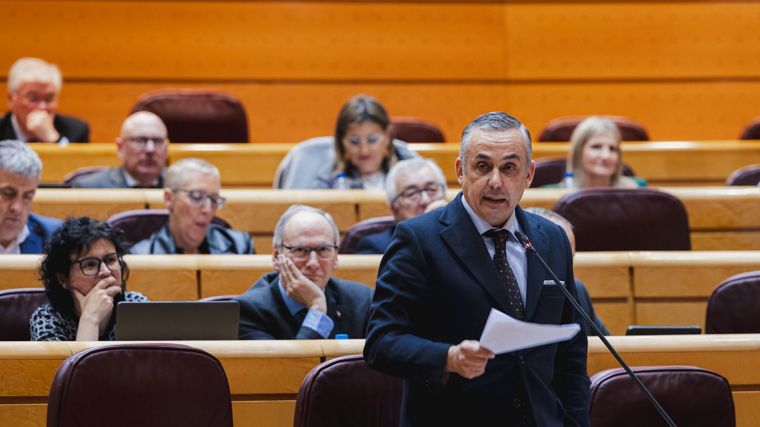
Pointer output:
x,y
177,320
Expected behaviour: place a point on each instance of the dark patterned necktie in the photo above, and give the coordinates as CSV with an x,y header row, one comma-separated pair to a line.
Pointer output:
x,y
506,274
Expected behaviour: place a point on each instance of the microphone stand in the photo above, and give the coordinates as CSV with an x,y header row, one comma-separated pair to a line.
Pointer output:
x,y
531,250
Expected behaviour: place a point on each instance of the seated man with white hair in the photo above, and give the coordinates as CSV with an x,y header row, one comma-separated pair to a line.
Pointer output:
x,y
21,232
301,299
33,90
413,187
192,197
142,147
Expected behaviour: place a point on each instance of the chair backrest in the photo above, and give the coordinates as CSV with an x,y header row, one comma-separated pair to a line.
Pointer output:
x,y
623,219
551,170
197,115
412,129
363,228
734,306
345,391
748,175
84,171
16,307
752,130
138,224
561,129
140,384
691,396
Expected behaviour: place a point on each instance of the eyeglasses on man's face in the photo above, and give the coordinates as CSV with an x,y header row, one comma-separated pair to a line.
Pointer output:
x,y
414,194
300,253
199,197
90,266
143,141
370,139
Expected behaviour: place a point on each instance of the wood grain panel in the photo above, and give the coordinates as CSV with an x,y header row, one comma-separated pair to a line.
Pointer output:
x,y
687,274
598,40
164,278
23,414
263,413
19,271
260,39
671,311
98,204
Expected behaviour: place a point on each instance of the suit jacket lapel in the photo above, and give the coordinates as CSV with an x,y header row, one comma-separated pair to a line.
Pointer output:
x,y
535,270
464,242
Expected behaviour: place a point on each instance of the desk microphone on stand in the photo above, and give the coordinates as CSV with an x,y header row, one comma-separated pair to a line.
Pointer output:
x,y
531,250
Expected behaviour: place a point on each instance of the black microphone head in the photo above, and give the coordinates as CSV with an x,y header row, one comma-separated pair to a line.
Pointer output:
x,y
523,239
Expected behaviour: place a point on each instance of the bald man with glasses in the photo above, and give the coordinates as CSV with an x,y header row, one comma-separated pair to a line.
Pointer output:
x,y
142,148
301,299
192,197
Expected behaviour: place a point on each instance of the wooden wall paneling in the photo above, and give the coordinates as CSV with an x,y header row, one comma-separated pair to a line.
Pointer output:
x,y
607,277
231,274
672,292
19,271
164,277
96,203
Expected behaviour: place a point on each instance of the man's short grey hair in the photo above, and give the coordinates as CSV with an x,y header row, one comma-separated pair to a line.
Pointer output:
x,y
184,169
17,158
294,210
411,165
495,121
27,69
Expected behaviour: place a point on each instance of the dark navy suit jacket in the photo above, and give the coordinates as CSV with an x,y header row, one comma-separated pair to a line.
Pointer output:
x,y
72,128
40,230
265,316
375,243
435,287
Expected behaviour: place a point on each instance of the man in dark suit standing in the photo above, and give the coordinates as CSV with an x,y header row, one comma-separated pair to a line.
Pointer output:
x,y
33,90
438,282
301,299
142,147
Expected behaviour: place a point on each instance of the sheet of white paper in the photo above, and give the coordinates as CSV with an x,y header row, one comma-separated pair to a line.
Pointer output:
x,y
503,333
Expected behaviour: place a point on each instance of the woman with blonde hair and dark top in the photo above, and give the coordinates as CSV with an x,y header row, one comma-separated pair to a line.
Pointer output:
x,y
595,158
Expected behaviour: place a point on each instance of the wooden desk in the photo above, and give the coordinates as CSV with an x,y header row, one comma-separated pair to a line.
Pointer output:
x,y
645,288
254,165
265,376
720,218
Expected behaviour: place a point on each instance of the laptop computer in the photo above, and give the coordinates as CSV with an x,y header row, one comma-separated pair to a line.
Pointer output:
x,y
177,320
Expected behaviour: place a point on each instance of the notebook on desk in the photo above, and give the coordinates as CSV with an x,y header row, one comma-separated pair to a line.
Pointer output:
x,y
177,320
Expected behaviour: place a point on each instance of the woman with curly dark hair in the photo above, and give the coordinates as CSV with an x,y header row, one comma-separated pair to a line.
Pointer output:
x,y
85,275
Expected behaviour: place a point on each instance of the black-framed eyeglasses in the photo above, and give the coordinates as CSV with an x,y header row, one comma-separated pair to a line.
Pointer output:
x,y
413,194
199,197
304,252
142,141
90,266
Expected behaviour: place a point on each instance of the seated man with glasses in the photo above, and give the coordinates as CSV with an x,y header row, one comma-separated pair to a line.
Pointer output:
x,y
192,198
301,299
142,148
413,187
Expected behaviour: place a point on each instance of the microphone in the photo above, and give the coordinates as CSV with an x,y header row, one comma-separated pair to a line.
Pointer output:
x,y
523,239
